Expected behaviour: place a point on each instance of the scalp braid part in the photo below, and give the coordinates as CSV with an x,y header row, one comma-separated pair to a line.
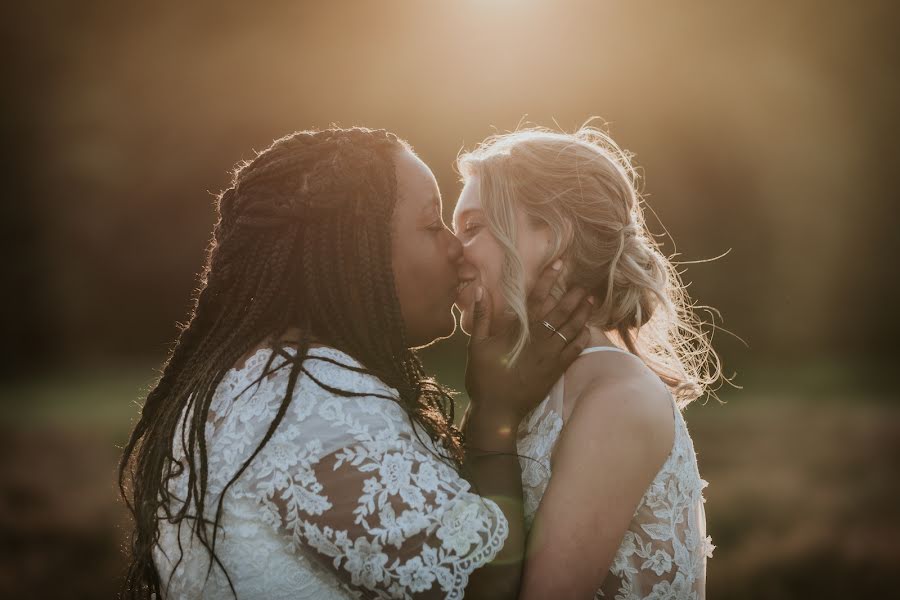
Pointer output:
x,y
302,240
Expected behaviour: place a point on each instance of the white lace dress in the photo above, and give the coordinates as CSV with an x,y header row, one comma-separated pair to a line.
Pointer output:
x,y
344,501
663,553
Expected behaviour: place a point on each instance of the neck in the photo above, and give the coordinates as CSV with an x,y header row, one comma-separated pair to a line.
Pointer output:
x,y
599,338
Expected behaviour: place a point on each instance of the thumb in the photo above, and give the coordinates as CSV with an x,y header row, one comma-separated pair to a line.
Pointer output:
x,y
481,329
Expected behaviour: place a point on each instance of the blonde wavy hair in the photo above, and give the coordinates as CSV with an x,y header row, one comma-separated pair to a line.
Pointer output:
x,y
584,187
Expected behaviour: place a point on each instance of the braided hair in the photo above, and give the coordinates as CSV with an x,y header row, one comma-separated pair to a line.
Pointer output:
x,y
303,240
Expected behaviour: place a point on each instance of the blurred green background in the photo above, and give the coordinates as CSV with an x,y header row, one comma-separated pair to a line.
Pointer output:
x,y
767,130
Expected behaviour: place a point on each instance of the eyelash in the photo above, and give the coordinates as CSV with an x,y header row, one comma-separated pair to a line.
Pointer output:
x,y
471,228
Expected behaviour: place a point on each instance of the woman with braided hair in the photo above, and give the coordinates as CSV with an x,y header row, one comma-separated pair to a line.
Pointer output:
x,y
613,496
293,446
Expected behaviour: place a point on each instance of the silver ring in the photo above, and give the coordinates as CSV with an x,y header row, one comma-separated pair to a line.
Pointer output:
x,y
559,333
549,326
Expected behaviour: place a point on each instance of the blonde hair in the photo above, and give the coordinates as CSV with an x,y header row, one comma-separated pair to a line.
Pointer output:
x,y
584,187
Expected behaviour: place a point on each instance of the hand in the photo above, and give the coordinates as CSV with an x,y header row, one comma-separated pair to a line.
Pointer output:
x,y
507,394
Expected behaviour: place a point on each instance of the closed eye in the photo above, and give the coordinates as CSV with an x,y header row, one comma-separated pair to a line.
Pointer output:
x,y
471,228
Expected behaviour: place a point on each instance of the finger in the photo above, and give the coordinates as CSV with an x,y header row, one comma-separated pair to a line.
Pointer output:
x,y
574,348
540,331
540,293
578,319
567,332
565,308
482,311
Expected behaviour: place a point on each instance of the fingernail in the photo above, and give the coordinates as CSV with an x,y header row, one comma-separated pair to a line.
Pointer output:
x,y
557,265
479,292
591,299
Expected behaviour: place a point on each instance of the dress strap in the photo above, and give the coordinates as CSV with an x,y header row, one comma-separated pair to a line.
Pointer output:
x,y
604,349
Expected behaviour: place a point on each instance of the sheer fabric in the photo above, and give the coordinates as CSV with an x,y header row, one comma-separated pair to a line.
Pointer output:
x,y
664,551
344,501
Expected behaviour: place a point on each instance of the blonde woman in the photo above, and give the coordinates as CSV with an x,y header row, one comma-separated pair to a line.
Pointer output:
x,y
613,497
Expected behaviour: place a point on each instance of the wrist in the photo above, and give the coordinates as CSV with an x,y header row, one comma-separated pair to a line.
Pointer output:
x,y
490,429
501,413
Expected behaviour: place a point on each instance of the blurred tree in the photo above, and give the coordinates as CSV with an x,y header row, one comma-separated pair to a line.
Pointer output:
x,y
766,129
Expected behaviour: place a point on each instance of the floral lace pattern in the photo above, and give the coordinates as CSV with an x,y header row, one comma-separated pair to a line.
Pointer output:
x,y
536,438
664,551
345,500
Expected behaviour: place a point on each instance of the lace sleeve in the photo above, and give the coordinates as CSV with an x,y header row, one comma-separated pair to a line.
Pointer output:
x,y
350,485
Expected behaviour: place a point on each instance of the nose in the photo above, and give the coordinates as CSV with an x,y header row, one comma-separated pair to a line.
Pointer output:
x,y
465,270
455,248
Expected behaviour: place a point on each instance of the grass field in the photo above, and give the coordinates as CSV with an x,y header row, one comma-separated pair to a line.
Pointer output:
x,y
802,502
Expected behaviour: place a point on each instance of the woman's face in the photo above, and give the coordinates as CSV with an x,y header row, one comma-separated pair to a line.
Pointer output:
x,y
485,254
426,256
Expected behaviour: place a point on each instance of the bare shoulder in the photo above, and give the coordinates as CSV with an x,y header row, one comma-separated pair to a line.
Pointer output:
x,y
618,395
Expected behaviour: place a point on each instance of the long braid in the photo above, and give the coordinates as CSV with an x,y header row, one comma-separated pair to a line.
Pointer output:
x,y
138,478
303,240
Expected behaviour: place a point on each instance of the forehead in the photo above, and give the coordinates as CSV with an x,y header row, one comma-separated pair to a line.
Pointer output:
x,y
469,199
417,188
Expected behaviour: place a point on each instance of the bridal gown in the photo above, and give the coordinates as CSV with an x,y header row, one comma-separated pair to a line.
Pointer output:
x,y
344,501
664,551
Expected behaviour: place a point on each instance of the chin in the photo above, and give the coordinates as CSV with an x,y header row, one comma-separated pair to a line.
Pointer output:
x,y
449,328
445,330
465,322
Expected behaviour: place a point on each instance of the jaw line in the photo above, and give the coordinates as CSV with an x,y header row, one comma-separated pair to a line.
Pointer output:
x,y
458,313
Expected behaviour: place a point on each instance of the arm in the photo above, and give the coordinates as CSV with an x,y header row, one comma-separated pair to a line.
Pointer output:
x,y
492,467
355,490
499,398
615,442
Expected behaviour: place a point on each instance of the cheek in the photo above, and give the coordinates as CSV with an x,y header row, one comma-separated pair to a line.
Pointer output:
x,y
534,252
486,256
531,262
425,278
402,284
407,270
